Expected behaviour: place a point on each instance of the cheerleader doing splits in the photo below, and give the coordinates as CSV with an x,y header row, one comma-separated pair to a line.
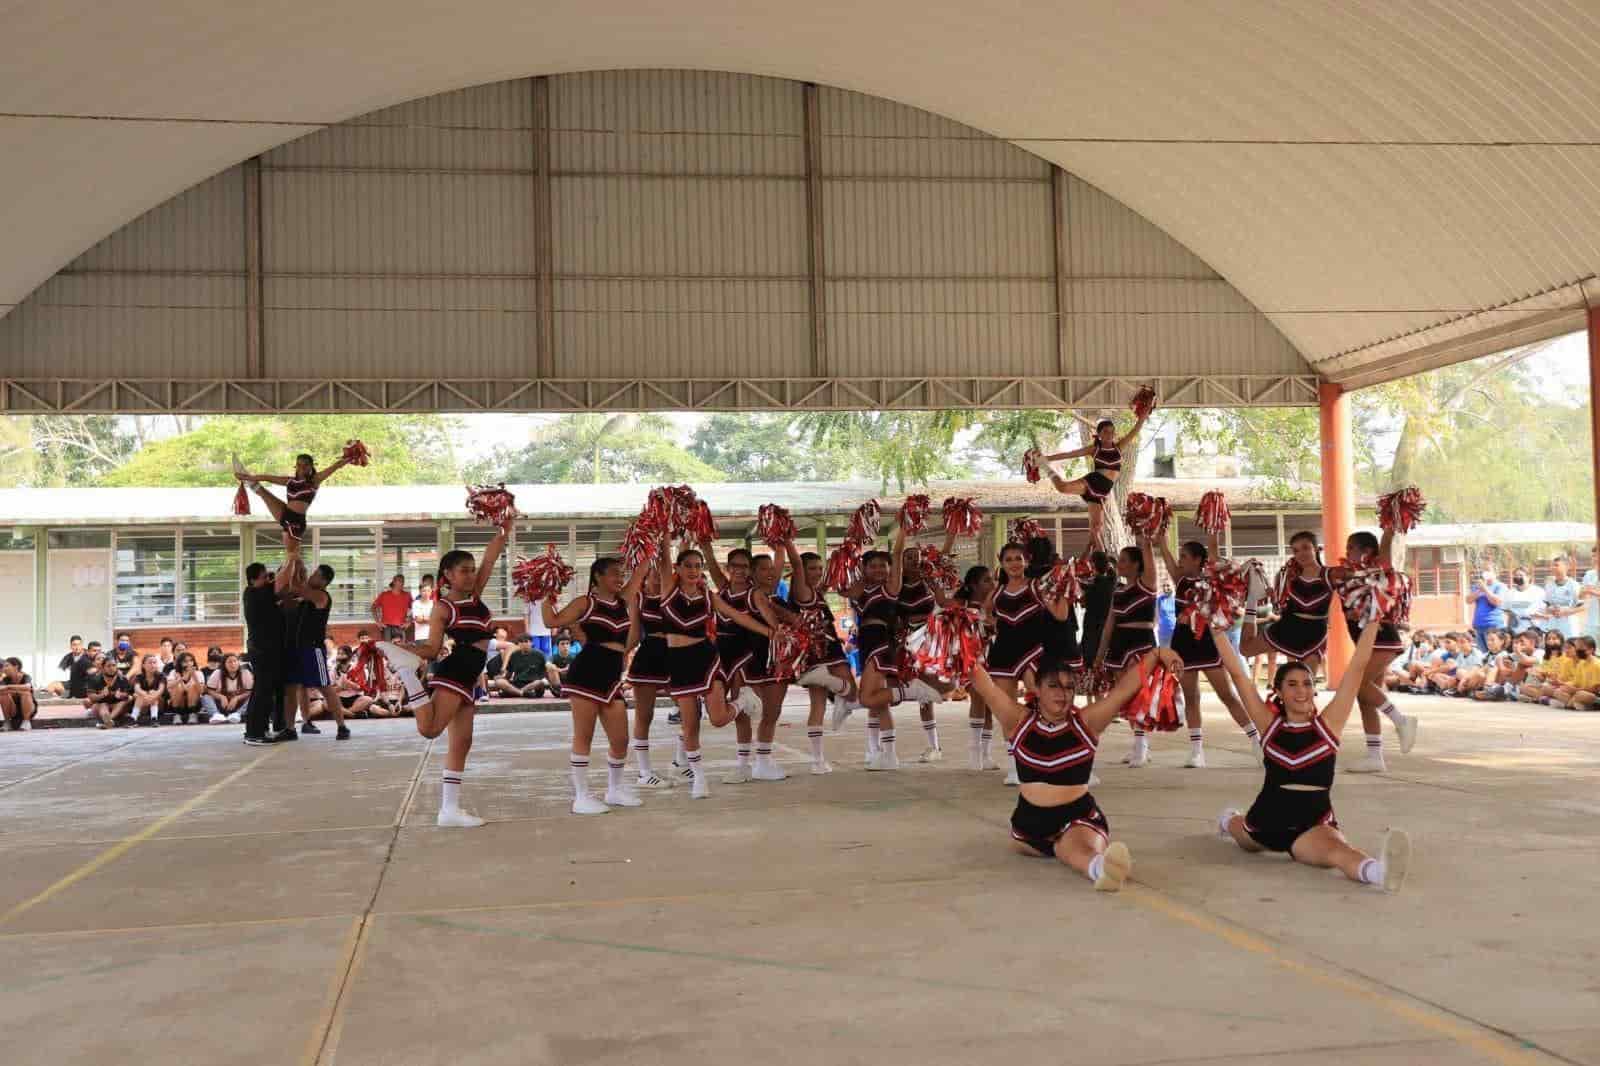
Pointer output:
x,y
1200,654
875,597
1055,745
608,617
1096,485
1364,550
1294,810
300,489
828,673
446,702
1130,628
1305,589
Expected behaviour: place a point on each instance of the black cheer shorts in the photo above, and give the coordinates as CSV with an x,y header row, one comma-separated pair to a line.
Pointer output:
x,y
459,671
651,664
1197,653
1041,827
1298,638
693,668
1096,487
1279,815
1127,645
595,674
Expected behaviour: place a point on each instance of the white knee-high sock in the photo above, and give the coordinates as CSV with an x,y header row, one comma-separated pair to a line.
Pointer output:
x,y
1391,712
1371,872
975,730
694,764
416,691
1097,866
985,738
614,768
931,729
1251,731
1375,744
1196,739
886,740
580,774
873,734
742,753
641,755
450,800
814,734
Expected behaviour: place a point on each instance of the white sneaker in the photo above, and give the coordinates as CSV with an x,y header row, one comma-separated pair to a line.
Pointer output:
x,y
587,804
621,797
841,711
238,469
234,719
701,788
989,763
1396,859
768,770
27,724
398,657
1116,864
652,781
1228,814
823,767
919,691
1011,775
884,760
1196,760
1372,764
1407,728
458,819
932,755
820,677
741,776
1139,757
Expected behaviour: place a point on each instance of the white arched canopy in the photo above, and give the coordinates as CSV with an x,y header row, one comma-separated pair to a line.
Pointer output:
x,y
1383,187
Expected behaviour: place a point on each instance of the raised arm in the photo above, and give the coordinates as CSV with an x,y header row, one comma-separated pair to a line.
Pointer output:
x,y
667,573
799,588
897,561
1104,710
1344,697
1166,557
1148,556
714,568
491,556
1004,704
1122,441
288,575
1075,453
328,471
1260,714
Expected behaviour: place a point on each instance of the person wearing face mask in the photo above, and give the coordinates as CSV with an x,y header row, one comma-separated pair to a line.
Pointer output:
x,y
124,655
1551,674
1585,678
1522,602
1485,596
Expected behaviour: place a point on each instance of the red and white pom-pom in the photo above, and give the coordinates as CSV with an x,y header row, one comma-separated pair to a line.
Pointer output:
x,y
789,650
1281,584
1376,594
1147,515
356,454
938,569
1158,705
775,525
241,501
701,524
1218,598
951,643
914,513
863,527
640,544
1213,516
844,566
657,513
1032,465
1095,682
367,669
1022,530
1401,510
962,516
1066,579
493,505
542,576
1144,401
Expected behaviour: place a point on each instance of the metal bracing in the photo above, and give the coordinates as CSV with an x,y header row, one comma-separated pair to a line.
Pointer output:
x,y
217,396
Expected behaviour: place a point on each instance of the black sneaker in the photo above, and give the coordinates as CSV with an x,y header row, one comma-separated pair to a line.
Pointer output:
x,y
259,742
284,735
342,734
309,727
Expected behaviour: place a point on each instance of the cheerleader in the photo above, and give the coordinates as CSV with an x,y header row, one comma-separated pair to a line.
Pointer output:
x,y
1096,485
1200,654
1060,631
733,643
694,667
828,674
648,671
1363,550
1130,627
977,591
875,597
760,679
608,617
460,614
300,488
1054,744
1293,812
917,600
1304,593
1021,620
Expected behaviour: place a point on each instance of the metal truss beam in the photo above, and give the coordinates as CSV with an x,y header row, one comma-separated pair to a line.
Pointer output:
x,y
461,395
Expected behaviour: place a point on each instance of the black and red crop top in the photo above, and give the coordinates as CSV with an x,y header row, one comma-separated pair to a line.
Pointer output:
x,y
650,618
604,621
1020,608
1133,604
466,621
686,616
1308,595
1054,753
1299,753
875,606
1107,457
916,601
301,490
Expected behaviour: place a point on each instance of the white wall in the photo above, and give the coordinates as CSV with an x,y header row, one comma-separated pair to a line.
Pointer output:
x,y
17,613
79,591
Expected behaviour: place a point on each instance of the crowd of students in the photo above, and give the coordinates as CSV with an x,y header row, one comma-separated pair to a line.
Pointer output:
x,y
1533,666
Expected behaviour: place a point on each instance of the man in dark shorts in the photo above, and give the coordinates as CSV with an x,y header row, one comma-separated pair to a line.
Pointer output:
x,y
308,666
264,644
524,673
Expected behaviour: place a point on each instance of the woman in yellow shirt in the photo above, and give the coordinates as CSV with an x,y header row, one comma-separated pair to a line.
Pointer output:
x,y
1544,679
1582,679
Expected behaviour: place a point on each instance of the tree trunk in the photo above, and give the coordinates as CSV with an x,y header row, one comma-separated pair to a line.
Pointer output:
x,y
1407,451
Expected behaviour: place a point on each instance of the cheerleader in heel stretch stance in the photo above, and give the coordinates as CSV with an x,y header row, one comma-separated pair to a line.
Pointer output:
x,y
1294,810
1364,550
1055,745
1200,654
827,675
299,489
608,617
446,702
1096,485
1130,628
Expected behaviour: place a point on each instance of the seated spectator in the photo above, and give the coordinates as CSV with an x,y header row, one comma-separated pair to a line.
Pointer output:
x,y
499,640
168,655
1524,657
1544,679
524,674
186,686
1444,679
1471,679
110,693
1579,682
500,649
149,690
229,687
213,662
1437,660
1551,643
555,670
126,657
76,665
17,701
1401,674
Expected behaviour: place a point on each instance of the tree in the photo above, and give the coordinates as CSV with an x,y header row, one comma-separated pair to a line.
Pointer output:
x,y
64,449
765,448
406,450
598,448
908,447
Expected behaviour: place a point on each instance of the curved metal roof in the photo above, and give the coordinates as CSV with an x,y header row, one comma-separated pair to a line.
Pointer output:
x,y
1394,185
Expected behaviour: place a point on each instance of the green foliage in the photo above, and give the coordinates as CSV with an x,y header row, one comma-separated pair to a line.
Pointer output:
x,y
760,447
406,450
906,447
599,448
60,450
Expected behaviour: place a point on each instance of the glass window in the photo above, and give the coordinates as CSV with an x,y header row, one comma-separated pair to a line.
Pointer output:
x,y
410,551
352,551
269,546
16,540
79,538
211,578
146,587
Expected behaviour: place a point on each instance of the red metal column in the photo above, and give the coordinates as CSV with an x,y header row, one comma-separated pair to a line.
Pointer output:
x,y
1594,410
1338,506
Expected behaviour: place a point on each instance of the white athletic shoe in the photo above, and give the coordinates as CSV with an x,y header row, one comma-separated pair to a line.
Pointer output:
x,y
234,719
1139,757
458,819
749,703
1372,764
587,804
398,657
886,759
701,788
27,724
1094,779
1196,760
238,469
821,677
621,797
652,781
823,767
1011,775
932,755
919,691
1115,867
1228,814
741,776
1407,728
1396,859
989,763
768,770
841,711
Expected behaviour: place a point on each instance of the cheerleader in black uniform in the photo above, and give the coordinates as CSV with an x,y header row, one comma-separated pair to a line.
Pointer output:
x,y
446,703
917,600
733,643
1060,631
1200,654
688,613
1055,746
1305,596
759,679
300,488
1095,486
1364,550
977,591
1130,627
1294,810
1022,623
828,674
608,617
647,672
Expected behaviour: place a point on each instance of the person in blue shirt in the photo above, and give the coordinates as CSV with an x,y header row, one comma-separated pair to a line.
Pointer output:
x,y
1166,615
1486,595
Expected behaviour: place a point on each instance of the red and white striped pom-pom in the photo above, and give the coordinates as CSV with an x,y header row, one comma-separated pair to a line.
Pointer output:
x,y
1158,705
640,544
1065,580
367,669
1213,516
1095,681
241,501
701,524
914,513
1280,584
1147,515
1022,530
789,650
1143,402
542,576
844,566
1376,594
775,525
356,454
863,527
962,516
951,643
938,569
493,505
657,513
1033,465
1401,510
1218,598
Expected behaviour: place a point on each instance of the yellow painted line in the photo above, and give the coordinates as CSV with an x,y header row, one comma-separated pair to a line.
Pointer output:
x,y
179,927
330,1001
127,844
1487,1043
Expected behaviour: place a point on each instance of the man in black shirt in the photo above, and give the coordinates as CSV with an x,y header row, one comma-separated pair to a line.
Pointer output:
x,y
77,663
109,693
264,643
308,657
1097,604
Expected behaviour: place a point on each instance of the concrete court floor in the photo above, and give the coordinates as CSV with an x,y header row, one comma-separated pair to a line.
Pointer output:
x,y
174,896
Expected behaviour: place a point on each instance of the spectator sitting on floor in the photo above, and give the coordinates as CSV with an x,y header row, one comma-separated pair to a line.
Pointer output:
x,y
1544,679
556,669
75,664
1522,601
165,654
1580,681
1410,665
17,701
149,690
185,687
1440,658
127,659
1509,678
229,687
110,693
1551,645
1467,657
1469,679
213,662
357,704
524,672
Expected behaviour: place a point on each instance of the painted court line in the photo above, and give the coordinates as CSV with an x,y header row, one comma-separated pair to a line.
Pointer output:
x,y
69,765
127,844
